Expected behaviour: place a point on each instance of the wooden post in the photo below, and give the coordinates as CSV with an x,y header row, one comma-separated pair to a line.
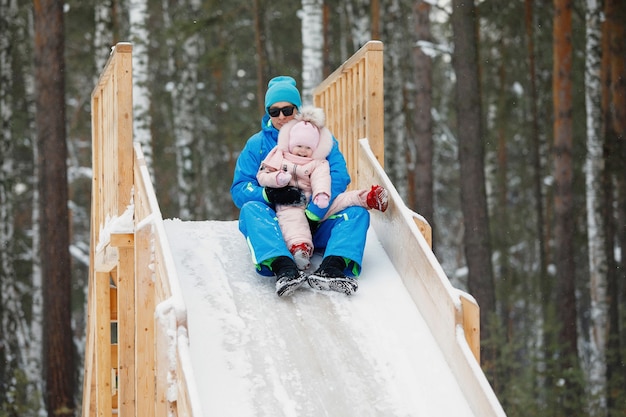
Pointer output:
x,y
471,323
112,185
144,311
103,345
126,322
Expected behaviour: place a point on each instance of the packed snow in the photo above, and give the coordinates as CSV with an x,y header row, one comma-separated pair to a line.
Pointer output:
x,y
310,354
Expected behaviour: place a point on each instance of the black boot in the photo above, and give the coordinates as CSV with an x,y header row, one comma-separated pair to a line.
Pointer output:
x,y
288,276
330,277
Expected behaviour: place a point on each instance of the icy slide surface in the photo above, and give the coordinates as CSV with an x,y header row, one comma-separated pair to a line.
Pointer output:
x,y
312,354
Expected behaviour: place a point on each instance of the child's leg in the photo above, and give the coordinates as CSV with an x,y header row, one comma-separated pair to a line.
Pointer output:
x,y
296,233
375,198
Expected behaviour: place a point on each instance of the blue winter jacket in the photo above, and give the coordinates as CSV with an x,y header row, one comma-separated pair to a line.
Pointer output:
x,y
245,186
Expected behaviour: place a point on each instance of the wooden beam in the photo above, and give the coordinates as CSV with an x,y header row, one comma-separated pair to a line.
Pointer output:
x,y
144,318
471,323
103,345
122,240
126,329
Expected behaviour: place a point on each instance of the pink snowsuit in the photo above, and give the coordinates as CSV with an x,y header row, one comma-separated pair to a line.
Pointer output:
x,y
312,176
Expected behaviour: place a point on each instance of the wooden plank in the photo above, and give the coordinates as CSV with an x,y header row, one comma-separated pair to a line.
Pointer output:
x,y
103,345
183,403
471,323
125,240
165,331
126,330
89,383
113,298
106,259
375,107
144,318
424,228
114,378
124,132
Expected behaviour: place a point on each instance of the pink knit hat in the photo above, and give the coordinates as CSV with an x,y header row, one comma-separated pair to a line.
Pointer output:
x,y
304,134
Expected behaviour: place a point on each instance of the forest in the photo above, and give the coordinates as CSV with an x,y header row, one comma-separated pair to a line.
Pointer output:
x,y
505,127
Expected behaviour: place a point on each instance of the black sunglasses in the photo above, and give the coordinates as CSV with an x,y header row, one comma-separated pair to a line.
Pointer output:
x,y
275,111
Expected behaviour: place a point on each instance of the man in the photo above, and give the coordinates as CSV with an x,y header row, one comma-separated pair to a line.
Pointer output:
x,y
341,236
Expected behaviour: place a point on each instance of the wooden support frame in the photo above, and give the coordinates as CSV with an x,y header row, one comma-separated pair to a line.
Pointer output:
x,y
131,273
133,283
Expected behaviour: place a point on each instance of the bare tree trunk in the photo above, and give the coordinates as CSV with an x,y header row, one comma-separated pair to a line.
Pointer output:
x,y
594,171
375,18
536,151
395,116
58,362
421,149
477,242
570,395
615,12
612,163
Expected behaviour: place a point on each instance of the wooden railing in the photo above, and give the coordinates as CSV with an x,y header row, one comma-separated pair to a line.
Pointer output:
x,y
137,359
352,98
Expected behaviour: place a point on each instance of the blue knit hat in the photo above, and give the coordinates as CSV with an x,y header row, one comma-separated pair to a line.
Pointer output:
x,y
282,88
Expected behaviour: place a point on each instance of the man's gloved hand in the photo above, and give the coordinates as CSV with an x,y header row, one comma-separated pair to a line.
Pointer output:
x,y
286,196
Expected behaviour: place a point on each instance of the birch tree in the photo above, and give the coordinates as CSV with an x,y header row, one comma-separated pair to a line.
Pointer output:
x,y
11,314
359,22
140,36
537,171
312,47
33,368
183,70
103,34
594,171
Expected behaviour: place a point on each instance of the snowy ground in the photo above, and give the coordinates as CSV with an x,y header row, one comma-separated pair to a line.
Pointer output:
x,y
311,354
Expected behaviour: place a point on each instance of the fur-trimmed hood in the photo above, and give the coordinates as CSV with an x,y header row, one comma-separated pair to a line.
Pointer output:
x,y
317,118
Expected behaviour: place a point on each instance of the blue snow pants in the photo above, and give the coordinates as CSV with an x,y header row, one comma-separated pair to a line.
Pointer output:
x,y
343,234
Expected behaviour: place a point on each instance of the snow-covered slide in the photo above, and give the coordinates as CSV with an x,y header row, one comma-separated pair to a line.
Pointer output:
x,y
179,323
311,354
325,354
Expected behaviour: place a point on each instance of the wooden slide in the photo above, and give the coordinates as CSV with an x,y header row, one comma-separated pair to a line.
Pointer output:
x,y
180,325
